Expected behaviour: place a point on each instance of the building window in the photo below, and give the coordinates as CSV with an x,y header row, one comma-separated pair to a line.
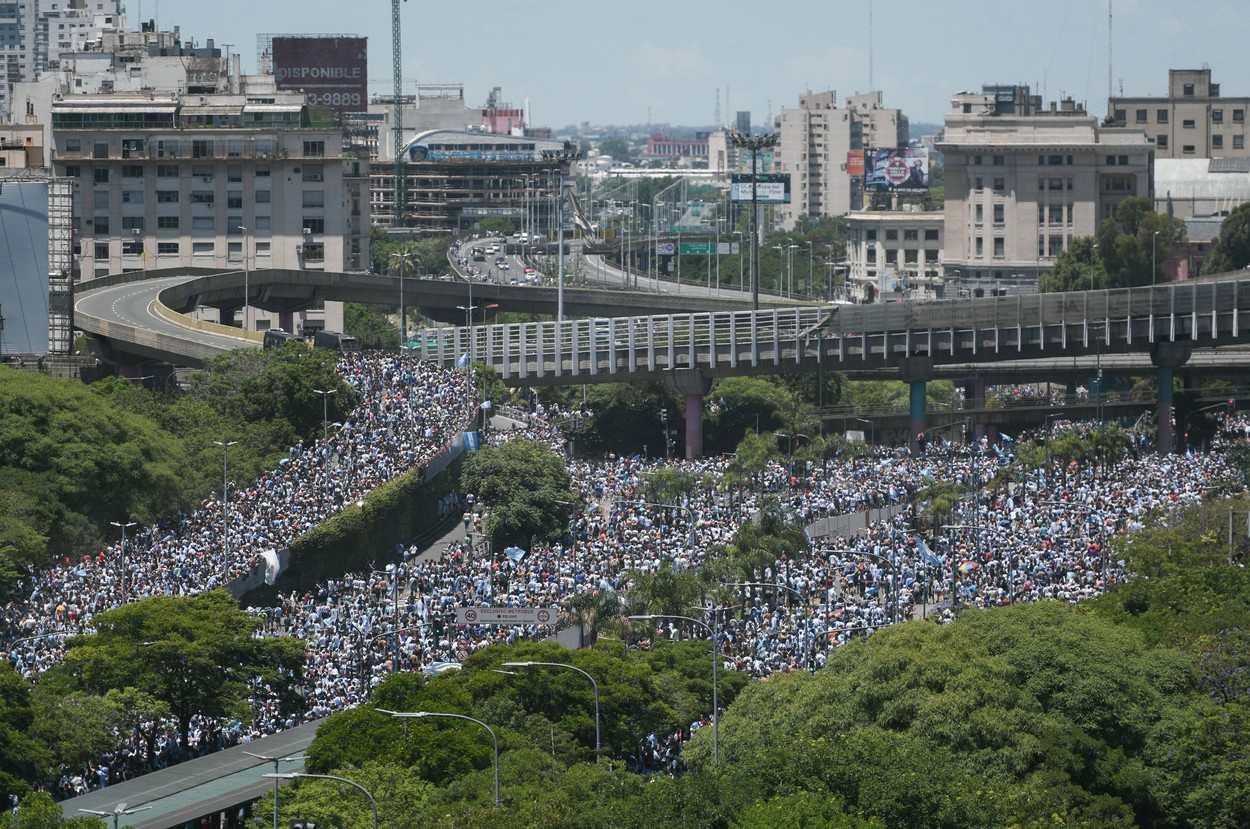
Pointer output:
x,y
1239,142
980,185
870,235
910,235
1217,116
73,170
910,257
1217,142
315,225
100,149
1141,116
167,247
976,161
931,255
202,197
101,250
1055,184
100,200
999,160
262,197
1188,90
1239,115
1162,142
101,175
1110,161
234,200
1119,115
1187,124
1000,247
872,256
314,149
234,173
999,211
74,145
132,197
166,222
1055,214
1056,245
314,198
980,212
132,247
1000,184
132,171
980,247
313,172
1188,149
234,225
201,149
132,223
931,234
101,225
166,196
201,248
1161,116
891,235
167,171
203,222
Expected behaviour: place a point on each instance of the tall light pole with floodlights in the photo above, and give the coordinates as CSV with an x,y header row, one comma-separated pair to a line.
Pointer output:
x,y
122,555
563,158
1154,239
421,714
755,143
713,632
225,508
594,685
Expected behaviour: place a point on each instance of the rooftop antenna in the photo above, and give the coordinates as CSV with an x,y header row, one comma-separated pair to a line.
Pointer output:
x,y
1110,52
716,117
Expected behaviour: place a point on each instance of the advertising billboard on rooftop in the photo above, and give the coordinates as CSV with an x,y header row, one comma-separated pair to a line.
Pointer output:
x,y
332,71
904,170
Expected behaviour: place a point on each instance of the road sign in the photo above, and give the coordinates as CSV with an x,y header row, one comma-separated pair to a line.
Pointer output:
x,y
505,616
687,229
697,248
665,248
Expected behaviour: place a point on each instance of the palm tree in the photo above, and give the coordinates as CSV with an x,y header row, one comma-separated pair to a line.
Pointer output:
x,y
598,611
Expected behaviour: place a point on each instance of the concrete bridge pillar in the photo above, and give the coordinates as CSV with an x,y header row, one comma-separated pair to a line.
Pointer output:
x,y
917,372
1167,356
694,384
974,398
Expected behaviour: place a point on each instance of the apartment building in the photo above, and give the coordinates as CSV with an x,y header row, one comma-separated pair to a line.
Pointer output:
x,y
815,141
34,33
1192,121
1023,181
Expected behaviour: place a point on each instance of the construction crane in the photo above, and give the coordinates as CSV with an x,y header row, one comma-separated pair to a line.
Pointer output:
x,y
397,65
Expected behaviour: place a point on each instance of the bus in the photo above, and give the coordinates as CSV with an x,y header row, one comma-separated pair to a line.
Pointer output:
x,y
276,338
342,343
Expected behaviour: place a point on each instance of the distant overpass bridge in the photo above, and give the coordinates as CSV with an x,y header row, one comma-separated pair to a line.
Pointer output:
x,y
690,340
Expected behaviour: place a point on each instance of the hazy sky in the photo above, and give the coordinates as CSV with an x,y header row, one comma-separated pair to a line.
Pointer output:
x,y
649,61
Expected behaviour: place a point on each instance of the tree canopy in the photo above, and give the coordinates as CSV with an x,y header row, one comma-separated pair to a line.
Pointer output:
x,y
1231,249
1122,253
526,490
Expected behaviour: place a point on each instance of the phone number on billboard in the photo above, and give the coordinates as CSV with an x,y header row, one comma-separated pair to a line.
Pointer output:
x,y
335,99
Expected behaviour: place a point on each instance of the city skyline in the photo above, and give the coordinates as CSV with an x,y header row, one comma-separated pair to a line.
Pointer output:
x,y
681,57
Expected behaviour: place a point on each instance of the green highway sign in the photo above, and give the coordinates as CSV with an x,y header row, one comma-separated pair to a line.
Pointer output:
x,y
697,248
687,229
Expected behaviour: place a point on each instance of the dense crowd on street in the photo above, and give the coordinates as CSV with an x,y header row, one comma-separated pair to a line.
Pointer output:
x,y
1045,538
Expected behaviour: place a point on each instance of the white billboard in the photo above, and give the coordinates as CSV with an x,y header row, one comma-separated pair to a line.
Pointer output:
x,y
505,616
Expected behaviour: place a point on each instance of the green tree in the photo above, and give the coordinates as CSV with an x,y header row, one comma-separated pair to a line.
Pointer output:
x,y
1231,249
526,489
370,325
742,406
198,655
626,418
38,810
22,757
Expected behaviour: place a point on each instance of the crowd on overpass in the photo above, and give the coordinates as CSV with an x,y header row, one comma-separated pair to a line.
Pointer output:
x,y
1046,539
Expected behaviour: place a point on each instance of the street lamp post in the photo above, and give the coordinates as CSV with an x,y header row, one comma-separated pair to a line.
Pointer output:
x,y
468,325
122,555
421,714
275,761
755,144
1153,242
715,634
325,414
742,285
790,447
299,775
872,430
118,810
593,684
225,508
809,267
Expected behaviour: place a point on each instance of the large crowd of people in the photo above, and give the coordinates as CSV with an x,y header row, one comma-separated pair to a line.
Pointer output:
x,y
1043,538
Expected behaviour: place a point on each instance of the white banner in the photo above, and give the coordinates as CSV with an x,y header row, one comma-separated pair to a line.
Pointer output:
x,y
505,616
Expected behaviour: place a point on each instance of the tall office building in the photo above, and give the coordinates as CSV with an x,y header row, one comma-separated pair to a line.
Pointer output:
x,y
1022,182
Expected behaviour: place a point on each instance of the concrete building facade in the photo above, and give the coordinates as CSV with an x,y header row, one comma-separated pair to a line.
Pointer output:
x,y
1192,121
1022,182
894,254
